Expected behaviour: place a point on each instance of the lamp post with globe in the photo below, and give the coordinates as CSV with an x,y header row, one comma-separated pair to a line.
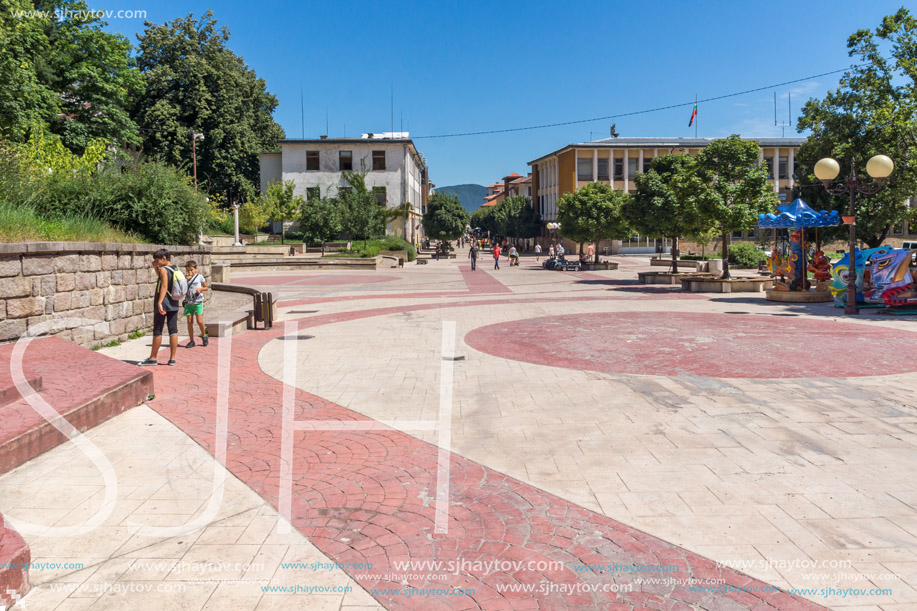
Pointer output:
x,y
826,170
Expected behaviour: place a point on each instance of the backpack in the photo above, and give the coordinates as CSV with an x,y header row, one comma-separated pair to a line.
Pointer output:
x,y
179,284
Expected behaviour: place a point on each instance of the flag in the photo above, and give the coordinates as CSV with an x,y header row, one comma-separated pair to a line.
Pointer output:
x,y
693,114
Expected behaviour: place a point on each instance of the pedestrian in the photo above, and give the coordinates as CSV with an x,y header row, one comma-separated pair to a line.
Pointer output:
x,y
537,252
559,250
497,256
591,251
513,256
551,251
170,286
194,303
473,255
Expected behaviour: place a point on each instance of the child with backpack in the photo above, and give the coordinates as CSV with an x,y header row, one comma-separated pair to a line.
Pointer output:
x,y
194,302
171,286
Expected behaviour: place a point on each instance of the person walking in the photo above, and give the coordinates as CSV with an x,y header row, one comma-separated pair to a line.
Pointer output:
x,y
537,252
497,256
473,255
590,250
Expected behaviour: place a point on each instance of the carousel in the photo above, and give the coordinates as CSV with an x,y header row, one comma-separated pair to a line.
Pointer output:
x,y
787,263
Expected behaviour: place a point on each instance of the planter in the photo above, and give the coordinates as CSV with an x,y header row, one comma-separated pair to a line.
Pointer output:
x,y
669,277
611,265
799,296
715,285
695,265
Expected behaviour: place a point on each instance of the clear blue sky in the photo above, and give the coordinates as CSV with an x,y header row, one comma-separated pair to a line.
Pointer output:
x,y
473,66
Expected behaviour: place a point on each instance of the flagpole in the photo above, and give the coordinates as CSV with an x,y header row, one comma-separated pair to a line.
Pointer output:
x,y
695,118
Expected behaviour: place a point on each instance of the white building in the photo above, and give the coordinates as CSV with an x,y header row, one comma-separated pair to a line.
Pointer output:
x,y
395,172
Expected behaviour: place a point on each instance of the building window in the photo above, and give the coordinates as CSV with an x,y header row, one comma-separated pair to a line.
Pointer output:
x,y
345,160
769,165
646,164
378,160
311,160
632,168
344,191
603,169
584,168
753,233
898,229
781,171
737,235
380,194
313,193
619,169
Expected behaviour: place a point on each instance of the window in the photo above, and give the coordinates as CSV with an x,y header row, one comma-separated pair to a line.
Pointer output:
x,y
311,160
313,193
584,168
345,160
781,171
753,233
380,194
378,160
646,164
899,229
619,169
603,169
737,234
769,165
342,191
632,168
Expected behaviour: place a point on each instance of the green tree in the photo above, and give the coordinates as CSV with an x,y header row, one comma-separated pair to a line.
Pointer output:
x,y
730,188
361,216
281,204
593,213
661,205
483,218
321,220
193,81
514,217
253,214
445,218
873,111
65,74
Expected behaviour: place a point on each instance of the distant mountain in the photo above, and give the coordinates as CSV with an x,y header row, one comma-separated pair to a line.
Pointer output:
x,y
471,196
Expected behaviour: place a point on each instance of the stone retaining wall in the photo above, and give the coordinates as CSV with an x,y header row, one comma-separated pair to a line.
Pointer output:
x,y
51,282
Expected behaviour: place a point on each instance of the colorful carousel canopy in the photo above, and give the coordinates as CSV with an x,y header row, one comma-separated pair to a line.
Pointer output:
x,y
798,215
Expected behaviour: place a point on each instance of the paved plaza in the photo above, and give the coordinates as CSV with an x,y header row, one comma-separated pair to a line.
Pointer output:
x,y
605,445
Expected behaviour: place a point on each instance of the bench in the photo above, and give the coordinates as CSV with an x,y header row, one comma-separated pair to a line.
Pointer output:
x,y
262,311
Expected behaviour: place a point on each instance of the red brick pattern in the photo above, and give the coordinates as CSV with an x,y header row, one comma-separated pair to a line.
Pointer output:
x,y
14,556
366,496
86,387
717,345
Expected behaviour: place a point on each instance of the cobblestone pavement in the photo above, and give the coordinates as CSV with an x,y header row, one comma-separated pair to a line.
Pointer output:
x,y
641,437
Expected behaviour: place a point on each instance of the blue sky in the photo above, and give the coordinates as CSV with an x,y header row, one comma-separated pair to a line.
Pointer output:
x,y
474,66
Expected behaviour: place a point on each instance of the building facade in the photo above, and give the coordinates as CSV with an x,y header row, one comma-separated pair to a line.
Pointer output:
x,y
396,173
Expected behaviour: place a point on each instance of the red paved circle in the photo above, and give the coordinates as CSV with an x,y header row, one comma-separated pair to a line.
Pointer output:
x,y
317,280
714,345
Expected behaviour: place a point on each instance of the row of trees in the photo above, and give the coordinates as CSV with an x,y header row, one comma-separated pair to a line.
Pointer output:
x,y
723,187
513,217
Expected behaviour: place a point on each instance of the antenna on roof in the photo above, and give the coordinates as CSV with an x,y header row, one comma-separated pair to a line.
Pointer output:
x,y
782,126
302,111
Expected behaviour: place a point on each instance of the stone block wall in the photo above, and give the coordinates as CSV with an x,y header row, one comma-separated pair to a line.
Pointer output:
x,y
58,284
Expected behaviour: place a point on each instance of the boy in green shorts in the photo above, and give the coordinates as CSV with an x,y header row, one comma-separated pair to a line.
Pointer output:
x,y
194,302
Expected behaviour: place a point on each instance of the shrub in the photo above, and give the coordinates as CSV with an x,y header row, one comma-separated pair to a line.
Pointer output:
x,y
746,255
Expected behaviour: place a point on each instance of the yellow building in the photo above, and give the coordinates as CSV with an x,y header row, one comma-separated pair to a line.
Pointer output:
x,y
615,161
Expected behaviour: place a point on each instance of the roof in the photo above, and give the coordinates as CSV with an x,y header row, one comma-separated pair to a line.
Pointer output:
x,y
488,204
513,175
663,143
496,184
521,180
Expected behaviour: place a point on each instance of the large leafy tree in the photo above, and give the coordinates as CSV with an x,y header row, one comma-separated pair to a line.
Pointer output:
x,y
730,188
321,220
281,203
361,216
593,213
661,205
192,81
445,218
483,219
514,217
873,111
64,74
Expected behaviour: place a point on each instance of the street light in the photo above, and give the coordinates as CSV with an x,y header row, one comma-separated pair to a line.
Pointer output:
x,y
826,170
195,136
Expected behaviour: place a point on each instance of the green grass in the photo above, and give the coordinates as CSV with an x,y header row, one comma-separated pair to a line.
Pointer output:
x,y
373,247
23,224
136,335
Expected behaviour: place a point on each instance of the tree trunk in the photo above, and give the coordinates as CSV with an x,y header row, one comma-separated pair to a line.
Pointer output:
x,y
281,230
725,275
595,259
675,254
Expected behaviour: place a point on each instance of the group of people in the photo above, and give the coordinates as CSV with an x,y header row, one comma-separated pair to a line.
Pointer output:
x,y
172,288
476,247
